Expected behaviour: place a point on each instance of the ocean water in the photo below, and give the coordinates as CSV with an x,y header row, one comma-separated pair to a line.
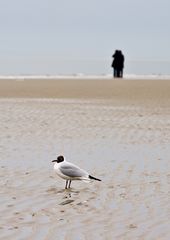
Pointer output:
x,y
84,76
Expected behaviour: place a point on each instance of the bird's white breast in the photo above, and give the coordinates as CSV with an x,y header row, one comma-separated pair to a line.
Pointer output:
x,y
59,173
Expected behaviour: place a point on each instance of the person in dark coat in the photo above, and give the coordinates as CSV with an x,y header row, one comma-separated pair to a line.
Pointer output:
x,y
118,64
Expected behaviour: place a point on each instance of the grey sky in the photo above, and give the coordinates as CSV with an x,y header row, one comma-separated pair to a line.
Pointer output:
x,y
73,36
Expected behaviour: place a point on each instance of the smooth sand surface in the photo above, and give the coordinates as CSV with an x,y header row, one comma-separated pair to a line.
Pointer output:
x,y
127,90
118,130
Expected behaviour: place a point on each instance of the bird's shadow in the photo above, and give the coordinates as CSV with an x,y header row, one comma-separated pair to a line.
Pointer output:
x,y
84,195
67,195
54,190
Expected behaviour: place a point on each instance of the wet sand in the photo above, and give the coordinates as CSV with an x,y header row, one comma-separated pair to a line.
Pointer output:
x,y
117,90
118,130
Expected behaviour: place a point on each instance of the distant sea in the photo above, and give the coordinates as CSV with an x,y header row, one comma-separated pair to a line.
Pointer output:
x,y
83,76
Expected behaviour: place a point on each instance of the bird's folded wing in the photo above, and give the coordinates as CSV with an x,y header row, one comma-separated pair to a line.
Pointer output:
x,y
72,171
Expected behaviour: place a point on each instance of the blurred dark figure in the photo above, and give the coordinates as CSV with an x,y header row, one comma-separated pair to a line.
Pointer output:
x,y
118,64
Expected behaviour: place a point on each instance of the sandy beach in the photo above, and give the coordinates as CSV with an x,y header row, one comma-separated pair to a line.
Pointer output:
x,y
117,90
118,130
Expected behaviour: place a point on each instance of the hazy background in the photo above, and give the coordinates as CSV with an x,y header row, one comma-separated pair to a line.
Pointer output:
x,y
77,36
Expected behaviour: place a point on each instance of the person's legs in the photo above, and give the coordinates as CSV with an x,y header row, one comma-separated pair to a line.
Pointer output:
x,y
118,73
114,72
121,73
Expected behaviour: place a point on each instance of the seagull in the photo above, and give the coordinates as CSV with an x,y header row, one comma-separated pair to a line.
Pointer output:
x,y
70,172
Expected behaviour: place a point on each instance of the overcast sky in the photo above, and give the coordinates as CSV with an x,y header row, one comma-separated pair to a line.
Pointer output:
x,y
78,36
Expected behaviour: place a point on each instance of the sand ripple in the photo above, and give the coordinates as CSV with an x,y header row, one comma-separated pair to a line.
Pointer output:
x,y
126,146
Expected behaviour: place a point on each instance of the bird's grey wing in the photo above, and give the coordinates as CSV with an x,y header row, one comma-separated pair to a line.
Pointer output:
x,y
72,171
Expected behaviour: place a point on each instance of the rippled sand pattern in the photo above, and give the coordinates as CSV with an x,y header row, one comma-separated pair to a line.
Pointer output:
x,y
127,146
